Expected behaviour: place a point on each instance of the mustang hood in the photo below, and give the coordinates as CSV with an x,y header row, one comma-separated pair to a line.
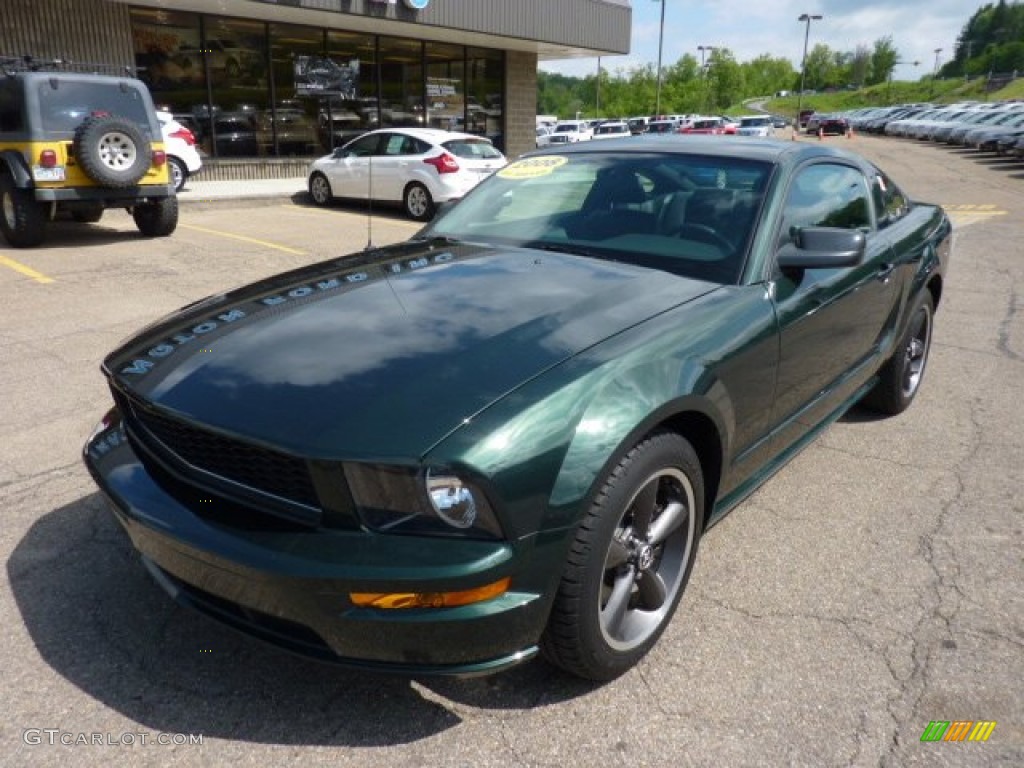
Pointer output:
x,y
381,355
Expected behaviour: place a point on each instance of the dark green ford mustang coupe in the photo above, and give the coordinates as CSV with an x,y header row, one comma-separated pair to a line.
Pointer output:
x,y
509,433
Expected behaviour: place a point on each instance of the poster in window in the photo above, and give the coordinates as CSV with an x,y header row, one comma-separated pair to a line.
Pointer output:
x,y
321,76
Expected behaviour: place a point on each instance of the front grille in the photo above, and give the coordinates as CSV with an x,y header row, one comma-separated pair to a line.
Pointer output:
x,y
260,469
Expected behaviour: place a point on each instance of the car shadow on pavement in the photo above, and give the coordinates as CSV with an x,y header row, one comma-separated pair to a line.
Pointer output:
x,y
71,234
389,211
98,620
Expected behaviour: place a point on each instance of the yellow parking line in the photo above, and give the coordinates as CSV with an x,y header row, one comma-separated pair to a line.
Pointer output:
x,y
243,238
17,266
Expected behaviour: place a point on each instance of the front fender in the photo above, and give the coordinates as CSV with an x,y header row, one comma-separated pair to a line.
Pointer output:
x,y
14,164
628,406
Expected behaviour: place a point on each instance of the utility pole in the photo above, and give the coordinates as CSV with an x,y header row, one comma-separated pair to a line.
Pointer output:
x,y
803,64
661,40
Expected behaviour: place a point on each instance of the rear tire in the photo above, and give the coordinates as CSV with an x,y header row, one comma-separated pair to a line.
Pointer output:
x,y
158,218
418,203
22,219
900,378
179,173
630,561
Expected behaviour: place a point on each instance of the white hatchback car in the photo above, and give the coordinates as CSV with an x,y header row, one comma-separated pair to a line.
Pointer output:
x,y
180,144
417,167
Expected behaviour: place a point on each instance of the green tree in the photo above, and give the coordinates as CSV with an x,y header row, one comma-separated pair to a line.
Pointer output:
x,y
883,60
860,65
818,68
725,80
766,75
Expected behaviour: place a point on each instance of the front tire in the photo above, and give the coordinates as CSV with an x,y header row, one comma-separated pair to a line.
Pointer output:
x,y
900,378
320,189
158,218
630,561
22,219
418,203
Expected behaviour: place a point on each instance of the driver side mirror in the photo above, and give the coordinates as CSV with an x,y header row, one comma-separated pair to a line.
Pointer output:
x,y
823,248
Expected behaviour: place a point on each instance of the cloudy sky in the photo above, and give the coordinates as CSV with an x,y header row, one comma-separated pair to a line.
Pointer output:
x,y
749,29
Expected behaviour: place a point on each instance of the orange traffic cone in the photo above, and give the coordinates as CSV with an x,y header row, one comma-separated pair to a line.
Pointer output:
x,y
849,132
821,134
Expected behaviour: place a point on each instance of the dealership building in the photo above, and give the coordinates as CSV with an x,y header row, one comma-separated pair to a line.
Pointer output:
x,y
262,80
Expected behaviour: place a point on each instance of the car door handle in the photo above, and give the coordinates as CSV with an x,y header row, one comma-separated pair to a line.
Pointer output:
x,y
885,272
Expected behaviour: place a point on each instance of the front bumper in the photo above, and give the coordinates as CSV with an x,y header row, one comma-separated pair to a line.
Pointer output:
x,y
290,585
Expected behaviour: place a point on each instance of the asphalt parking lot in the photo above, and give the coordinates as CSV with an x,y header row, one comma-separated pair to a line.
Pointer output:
x,y
872,586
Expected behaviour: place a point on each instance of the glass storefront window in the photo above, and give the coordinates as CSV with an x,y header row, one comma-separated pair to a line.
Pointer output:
x,y
235,52
289,128
348,89
165,46
250,88
446,86
485,102
401,83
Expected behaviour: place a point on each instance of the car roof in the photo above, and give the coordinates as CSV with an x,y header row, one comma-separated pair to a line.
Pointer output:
x,y
436,135
765,150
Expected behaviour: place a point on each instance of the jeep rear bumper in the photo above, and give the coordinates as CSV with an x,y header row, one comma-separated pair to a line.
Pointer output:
x,y
110,197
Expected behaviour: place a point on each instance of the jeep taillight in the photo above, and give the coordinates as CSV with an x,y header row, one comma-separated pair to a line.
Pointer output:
x,y
185,135
48,158
444,163
159,157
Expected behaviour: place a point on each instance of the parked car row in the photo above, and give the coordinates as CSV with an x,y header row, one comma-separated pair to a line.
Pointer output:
x,y
988,127
572,131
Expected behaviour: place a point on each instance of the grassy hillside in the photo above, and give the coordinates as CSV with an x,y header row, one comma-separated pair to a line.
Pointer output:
x,y
942,91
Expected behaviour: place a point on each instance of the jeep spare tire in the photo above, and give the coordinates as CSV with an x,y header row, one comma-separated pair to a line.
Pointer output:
x,y
112,151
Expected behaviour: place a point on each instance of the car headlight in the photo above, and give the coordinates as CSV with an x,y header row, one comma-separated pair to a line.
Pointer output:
x,y
433,501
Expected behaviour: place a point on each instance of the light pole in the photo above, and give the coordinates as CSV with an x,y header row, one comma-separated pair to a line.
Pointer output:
x,y
806,17
598,107
704,73
935,70
661,40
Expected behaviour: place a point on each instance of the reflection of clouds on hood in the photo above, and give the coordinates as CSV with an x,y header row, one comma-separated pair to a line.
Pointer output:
x,y
438,317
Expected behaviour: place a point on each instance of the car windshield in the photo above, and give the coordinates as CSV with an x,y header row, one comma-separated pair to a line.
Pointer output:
x,y
750,122
686,214
472,149
64,104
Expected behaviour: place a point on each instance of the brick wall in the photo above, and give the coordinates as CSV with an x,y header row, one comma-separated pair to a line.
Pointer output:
x,y
520,103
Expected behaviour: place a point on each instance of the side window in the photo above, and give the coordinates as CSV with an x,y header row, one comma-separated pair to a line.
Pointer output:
x,y
394,144
825,195
890,203
365,146
10,106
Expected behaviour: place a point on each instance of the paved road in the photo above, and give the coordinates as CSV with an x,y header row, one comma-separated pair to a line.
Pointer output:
x,y
872,586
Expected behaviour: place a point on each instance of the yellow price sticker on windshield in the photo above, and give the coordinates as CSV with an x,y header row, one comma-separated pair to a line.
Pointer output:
x,y
533,167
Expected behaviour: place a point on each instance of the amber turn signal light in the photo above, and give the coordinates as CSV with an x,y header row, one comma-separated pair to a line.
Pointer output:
x,y
394,600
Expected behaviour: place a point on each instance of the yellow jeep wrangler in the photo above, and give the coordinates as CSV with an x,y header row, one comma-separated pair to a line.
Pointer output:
x,y
79,143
